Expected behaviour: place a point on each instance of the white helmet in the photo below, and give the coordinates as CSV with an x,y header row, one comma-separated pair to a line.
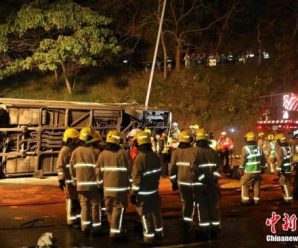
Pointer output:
x,y
223,133
133,132
175,124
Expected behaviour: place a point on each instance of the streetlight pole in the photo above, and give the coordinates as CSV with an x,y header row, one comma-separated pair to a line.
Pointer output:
x,y
155,54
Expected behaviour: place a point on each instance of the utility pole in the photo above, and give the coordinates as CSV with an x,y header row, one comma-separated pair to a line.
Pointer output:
x,y
155,54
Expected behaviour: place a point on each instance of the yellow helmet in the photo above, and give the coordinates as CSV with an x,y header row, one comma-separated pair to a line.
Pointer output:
x,y
250,136
270,137
185,136
201,134
96,137
143,137
260,134
70,133
86,133
280,136
147,130
114,136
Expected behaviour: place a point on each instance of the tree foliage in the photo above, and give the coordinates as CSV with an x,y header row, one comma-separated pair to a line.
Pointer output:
x,y
51,36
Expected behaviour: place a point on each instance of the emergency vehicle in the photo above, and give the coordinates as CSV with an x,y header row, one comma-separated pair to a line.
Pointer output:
x,y
279,113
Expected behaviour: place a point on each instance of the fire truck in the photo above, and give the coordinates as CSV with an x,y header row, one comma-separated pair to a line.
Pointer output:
x,y
31,130
279,113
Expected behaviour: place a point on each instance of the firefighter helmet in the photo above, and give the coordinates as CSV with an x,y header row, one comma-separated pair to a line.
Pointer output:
x,y
281,137
133,132
147,130
185,136
270,137
142,138
223,133
175,124
261,134
114,137
96,137
86,134
201,134
250,136
71,133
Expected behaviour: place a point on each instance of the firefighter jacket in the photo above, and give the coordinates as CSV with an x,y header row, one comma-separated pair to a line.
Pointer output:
x,y
206,171
283,159
146,173
182,164
113,172
295,151
82,168
252,159
62,164
225,144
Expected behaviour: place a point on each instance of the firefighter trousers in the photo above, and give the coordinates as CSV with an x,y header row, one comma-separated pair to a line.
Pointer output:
x,y
90,210
248,179
149,209
188,202
285,182
73,208
115,210
207,206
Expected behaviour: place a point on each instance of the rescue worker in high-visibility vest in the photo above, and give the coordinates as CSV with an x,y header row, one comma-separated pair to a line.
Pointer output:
x,y
82,169
213,143
206,172
144,192
269,152
294,144
182,163
252,166
70,142
284,166
114,169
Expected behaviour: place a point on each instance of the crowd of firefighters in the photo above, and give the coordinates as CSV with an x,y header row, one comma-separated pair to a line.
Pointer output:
x,y
102,176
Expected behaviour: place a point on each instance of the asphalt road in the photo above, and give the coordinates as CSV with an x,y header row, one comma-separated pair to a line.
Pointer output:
x,y
31,207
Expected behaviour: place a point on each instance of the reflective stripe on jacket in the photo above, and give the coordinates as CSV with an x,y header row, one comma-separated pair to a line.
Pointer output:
x,y
62,164
82,168
207,169
253,159
113,172
145,174
182,163
287,154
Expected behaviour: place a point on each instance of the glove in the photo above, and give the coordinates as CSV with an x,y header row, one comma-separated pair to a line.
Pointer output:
x,y
62,185
100,191
174,186
134,199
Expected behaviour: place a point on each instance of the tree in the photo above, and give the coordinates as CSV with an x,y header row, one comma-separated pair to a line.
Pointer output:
x,y
55,35
187,20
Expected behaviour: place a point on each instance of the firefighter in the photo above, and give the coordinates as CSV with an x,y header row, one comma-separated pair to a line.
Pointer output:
x,y
144,193
269,152
182,163
226,147
82,169
70,140
206,173
114,169
283,166
261,139
252,165
295,163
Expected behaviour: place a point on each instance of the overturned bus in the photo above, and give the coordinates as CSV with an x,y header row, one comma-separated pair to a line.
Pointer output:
x,y
31,130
